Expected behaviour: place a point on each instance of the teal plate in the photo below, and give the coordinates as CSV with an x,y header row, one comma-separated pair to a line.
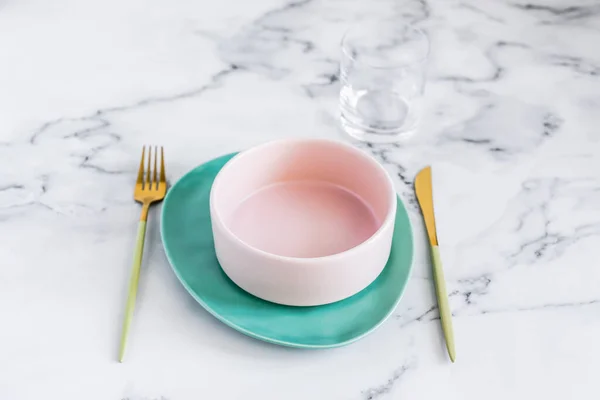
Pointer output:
x,y
188,241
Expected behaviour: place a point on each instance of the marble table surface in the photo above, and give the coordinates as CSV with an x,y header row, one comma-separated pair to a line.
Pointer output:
x,y
512,128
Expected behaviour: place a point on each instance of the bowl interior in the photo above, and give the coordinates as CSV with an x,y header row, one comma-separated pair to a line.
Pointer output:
x,y
303,199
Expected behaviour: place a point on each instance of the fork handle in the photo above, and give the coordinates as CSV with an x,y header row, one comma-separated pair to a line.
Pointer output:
x,y
133,281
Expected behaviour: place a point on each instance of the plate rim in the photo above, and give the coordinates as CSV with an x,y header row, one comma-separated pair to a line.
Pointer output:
x,y
223,319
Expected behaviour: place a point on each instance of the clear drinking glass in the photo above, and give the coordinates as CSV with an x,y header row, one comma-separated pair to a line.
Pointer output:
x,y
382,77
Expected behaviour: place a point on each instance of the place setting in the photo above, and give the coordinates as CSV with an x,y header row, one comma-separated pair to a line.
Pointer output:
x,y
303,242
294,199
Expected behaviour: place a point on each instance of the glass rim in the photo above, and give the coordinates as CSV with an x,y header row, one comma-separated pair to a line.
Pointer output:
x,y
411,27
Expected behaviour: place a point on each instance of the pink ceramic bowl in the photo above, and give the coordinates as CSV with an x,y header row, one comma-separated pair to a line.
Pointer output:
x,y
303,222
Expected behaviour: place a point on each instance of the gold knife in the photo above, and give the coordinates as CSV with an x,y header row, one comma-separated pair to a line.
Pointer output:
x,y
424,191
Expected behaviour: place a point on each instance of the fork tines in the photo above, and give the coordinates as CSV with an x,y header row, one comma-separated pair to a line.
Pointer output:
x,y
151,174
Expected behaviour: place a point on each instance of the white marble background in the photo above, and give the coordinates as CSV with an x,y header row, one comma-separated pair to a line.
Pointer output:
x,y
512,128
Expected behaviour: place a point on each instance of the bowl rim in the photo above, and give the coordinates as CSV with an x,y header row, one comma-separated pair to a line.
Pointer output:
x,y
389,216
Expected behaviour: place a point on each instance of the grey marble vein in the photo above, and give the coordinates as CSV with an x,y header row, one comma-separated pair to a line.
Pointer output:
x,y
386,388
576,64
480,11
533,125
93,133
496,70
561,13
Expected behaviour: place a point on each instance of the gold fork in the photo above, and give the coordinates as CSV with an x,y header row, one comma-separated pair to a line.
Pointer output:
x,y
147,192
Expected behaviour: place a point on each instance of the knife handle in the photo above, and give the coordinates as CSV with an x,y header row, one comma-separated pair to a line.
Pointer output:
x,y
442,297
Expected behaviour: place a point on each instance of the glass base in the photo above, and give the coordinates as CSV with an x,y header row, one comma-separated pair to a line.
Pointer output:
x,y
366,134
